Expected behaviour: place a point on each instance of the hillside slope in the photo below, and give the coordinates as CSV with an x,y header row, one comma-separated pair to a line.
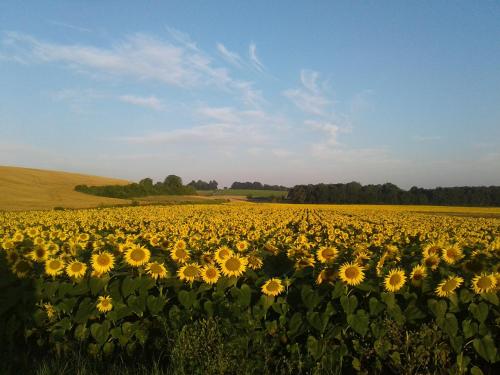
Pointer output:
x,y
35,189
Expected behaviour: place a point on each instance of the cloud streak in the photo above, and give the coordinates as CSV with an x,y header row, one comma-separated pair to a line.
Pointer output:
x,y
150,102
254,59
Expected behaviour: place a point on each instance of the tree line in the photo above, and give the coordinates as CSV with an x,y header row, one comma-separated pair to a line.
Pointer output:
x,y
203,185
257,186
172,185
354,192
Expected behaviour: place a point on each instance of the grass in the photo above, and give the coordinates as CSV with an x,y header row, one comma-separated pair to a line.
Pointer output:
x,y
178,199
244,193
36,189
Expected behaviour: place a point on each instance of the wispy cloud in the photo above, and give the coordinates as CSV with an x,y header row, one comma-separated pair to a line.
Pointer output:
x,y
70,26
176,61
252,53
151,102
230,57
330,130
310,98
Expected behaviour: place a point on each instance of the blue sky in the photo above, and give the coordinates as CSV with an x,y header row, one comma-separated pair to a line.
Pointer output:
x,y
281,92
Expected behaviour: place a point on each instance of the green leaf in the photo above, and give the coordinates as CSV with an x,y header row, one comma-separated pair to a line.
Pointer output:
x,y
469,328
85,310
389,299
186,298
314,347
476,371
155,304
438,308
376,307
486,348
143,284
128,286
465,296
359,322
97,285
339,290
81,332
450,325
209,307
295,323
137,304
349,303
491,298
479,311
314,320
100,332
245,296
310,297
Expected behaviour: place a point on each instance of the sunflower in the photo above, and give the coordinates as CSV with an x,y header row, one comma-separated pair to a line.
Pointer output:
x,y
222,253
39,254
104,303
304,262
234,265
451,254
394,280
137,256
103,262
49,310
432,249
484,283
418,273
432,262
447,287
21,268
254,262
180,254
156,270
54,267
76,269
327,275
326,254
242,246
273,287
351,273
18,237
210,274
189,272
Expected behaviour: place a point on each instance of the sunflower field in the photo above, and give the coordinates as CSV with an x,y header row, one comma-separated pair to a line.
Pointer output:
x,y
255,288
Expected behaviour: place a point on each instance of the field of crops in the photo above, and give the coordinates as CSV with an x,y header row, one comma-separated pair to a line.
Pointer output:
x,y
256,288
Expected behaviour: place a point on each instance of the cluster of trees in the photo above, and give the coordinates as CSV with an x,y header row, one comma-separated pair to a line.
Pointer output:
x,y
203,185
354,192
257,186
172,185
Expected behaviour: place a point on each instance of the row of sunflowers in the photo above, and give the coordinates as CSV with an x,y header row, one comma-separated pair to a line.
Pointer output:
x,y
320,280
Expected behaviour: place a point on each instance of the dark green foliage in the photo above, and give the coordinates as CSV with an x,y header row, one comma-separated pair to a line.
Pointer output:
x,y
172,185
257,186
355,193
203,185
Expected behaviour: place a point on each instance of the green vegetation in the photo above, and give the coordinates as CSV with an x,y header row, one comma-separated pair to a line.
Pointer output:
x,y
355,193
245,193
172,185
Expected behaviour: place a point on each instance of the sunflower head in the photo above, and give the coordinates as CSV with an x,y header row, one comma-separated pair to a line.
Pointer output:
x,y
273,287
103,262
180,254
76,269
327,254
484,283
327,275
210,274
54,267
104,304
451,254
189,272
137,256
418,273
351,273
395,280
156,270
447,287
21,268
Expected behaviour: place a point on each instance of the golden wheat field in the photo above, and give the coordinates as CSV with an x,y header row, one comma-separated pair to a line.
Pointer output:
x,y
36,189
339,285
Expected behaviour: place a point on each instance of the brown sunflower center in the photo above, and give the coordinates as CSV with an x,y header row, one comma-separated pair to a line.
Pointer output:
x,y
137,255
395,279
273,286
191,271
103,260
484,282
351,272
156,268
233,264
76,267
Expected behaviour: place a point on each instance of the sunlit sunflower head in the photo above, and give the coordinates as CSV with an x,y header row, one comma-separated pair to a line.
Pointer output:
x,y
242,246
8,244
18,237
328,275
432,262
431,249
180,254
32,232
137,256
22,268
39,254
273,287
447,287
210,274
255,262
234,265
327,254
54,267
52,248
222,253
418,273
351,273
484,283
395,280
180,244
156,270
451,254
103,262
83,237
38,241
104,304
189,272
304,262
76,269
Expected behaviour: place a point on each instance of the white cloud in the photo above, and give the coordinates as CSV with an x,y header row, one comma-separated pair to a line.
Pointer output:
x,y
151,102
252,52
176,62
310,97
330,130
231,57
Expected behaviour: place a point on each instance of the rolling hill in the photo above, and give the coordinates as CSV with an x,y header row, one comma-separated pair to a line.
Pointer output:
x,y
36,189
